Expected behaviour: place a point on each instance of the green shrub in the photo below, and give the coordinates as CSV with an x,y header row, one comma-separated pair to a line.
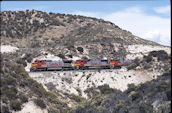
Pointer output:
x,y
23,98
28,58
74,97
52,98
67,79
168,93
15,105
136,61
20,71
50,86
119,105
161,55
131,87
147,66
91,92
148,58
135,95
21,61
70,56
79,91
88,76
80,49
10,80
11,93
84,58
53,111
105,89
40,103
131,66
69,47
4,109
38,89
146,108
61,56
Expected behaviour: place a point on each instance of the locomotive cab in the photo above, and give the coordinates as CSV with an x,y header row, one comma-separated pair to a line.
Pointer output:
x,y
38,65
80,64
115,63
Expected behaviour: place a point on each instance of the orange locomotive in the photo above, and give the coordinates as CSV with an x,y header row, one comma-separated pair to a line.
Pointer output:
x,y
46,65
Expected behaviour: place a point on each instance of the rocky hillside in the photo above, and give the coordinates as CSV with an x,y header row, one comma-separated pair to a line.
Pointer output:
x,y
150,97
65,33
77,82
29,35
19,92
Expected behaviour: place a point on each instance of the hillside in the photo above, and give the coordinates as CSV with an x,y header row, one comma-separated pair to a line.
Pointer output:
x,y
65,33
19,92
29,35
150,97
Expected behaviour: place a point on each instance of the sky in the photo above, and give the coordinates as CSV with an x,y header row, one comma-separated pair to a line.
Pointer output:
x,y
148,19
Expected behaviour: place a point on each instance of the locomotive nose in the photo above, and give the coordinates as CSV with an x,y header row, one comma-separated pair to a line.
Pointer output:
x,y
34,64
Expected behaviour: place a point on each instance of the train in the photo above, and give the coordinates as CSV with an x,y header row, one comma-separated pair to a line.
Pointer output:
x,y
82,64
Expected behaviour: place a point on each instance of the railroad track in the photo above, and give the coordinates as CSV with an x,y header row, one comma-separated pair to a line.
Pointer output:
x,y
90,70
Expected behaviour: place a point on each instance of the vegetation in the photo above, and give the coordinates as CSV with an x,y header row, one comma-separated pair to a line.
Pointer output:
x,y
136,99
105,89
40,103
80,49
15,105
21,61
18,88
61,56
148,60
161,55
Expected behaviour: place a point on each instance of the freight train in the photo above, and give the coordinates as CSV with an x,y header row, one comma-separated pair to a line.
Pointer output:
x,y
51,65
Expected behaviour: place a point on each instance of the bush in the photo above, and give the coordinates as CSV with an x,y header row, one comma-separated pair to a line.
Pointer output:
x,y
131,87
148,58
52,98
80,49
50,86
53,111
137,61
10,80
28,58
69,47
147,66
88,76
146,108
84,58
105,89
74,97
168,93
79,91
4,99
91,92
70,56
131,66
40,103
15,105
67,79
61,56
11,93
135,95
38,89
21,61
23,98
119,105
161,55
4,109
